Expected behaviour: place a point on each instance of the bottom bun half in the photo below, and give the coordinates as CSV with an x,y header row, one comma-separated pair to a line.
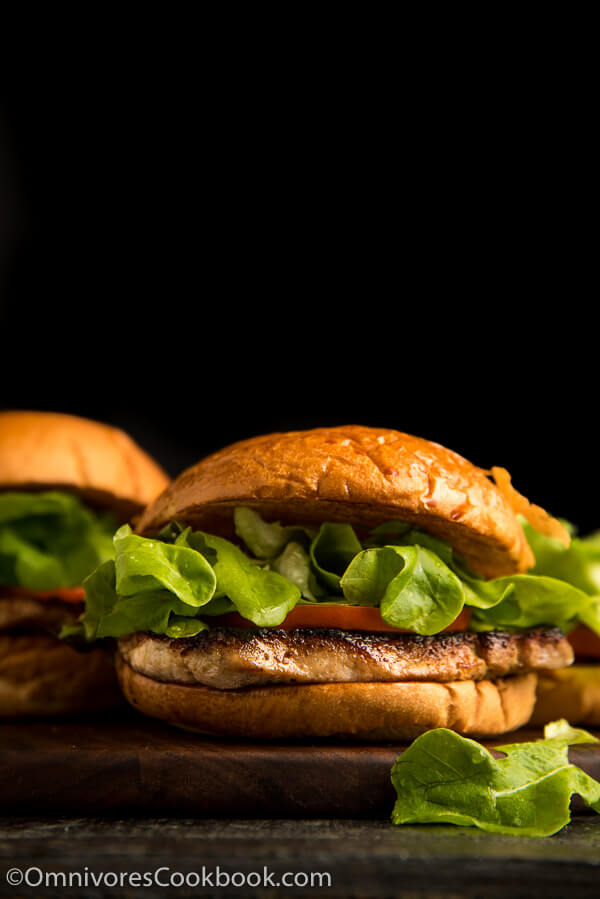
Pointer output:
x,y
571,693
394,711
40,676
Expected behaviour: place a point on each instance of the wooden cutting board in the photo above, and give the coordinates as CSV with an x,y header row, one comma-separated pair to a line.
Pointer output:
x,y
134,764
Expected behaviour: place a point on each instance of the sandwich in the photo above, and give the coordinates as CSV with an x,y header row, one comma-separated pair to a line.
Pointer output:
x,y
572,693
347,581
66,483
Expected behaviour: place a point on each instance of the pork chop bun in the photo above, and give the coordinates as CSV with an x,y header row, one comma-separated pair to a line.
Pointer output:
x,y
66,483
350,581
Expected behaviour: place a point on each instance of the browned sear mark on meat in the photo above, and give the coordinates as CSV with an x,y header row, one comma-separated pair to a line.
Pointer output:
x,y
228,659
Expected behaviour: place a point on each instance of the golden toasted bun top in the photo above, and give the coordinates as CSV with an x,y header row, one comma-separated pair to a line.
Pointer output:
x,y
49,450
357,474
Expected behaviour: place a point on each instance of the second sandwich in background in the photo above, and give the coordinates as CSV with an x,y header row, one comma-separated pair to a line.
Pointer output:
x,y
573,693
349,581
66,483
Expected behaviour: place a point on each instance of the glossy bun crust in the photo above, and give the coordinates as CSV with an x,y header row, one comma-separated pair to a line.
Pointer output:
x,y
358,474
366,711
48,450
40,676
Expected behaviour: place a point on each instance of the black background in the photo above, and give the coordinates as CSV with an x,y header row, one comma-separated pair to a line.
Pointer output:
x,y
197,276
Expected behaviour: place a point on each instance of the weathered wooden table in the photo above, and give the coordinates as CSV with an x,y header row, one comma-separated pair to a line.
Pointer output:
x,y
130,807
134,765
335,858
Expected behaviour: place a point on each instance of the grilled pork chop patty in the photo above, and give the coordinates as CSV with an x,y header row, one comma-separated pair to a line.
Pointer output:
x,y
227,659
24,613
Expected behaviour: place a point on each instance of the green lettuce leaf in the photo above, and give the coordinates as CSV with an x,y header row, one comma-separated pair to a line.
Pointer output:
x,y
144,565
533,601
157,586
107,614
416,580
425,589
179,626
371,571
590,616
398,533
219,605
448,779
261,595
562,730
412,586
480,594
426,596
577,564
50,539
265,540
332,550
294,564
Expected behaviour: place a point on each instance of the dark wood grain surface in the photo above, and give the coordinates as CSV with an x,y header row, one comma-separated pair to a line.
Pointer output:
x,y
362,858
136,765
130,795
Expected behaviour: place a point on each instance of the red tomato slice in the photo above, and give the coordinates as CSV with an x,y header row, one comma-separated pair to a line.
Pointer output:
x,y
585,642
65,594
347,618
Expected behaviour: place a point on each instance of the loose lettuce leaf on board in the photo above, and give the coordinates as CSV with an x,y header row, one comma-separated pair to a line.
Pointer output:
x,y
444,778
562,730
